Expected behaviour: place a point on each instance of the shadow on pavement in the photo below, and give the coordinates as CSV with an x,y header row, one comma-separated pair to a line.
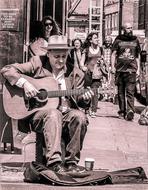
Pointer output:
x,y
108,116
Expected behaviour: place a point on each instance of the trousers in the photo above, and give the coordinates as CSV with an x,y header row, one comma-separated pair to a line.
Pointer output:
x,y
94,84
126,83
55,126
94,103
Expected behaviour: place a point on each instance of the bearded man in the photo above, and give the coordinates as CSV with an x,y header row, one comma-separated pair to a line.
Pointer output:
x,y
125,64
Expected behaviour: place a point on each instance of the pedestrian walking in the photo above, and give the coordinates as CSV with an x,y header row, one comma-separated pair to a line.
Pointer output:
x,y
107,52
108,81
93,65
75,55
126,66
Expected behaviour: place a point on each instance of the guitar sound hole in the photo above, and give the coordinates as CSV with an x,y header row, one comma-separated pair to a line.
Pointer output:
x,y
39,101
42,95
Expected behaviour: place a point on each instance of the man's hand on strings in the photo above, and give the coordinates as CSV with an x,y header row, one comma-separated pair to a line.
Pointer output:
x,y
88,94
30,90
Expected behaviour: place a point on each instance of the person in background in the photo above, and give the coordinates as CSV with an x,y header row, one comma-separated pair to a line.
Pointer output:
x,y
67,121
46,28
108,82
107,52
126,66
93,66
74,56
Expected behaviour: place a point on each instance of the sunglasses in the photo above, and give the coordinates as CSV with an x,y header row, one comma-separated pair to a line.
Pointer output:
x,y
129,28
48,24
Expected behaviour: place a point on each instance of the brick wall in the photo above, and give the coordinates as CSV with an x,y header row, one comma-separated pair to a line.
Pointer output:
x,y
130,13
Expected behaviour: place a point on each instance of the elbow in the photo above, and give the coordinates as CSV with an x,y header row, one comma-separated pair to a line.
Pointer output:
x,y
6,70
9,73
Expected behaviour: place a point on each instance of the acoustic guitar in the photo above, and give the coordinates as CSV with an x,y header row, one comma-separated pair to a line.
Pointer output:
x,y
17,106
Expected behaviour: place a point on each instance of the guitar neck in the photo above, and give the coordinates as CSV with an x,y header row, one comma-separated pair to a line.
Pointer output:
x,y
69,92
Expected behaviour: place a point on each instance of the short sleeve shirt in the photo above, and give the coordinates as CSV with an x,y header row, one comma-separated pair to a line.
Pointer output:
x,y
92,57
128,50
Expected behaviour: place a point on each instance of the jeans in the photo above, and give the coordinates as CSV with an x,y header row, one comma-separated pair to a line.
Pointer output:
x,y
94,102
93,83
126,83
54,125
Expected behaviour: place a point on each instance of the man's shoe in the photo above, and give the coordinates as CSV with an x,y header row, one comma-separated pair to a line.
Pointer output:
x,y
73,168
93,114
58,167
130,115
76,171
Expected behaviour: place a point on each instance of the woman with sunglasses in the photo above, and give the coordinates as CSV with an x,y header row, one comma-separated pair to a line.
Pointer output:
x,y
47,28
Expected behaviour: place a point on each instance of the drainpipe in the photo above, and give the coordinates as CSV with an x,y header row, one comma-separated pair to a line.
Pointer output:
x,y
120,16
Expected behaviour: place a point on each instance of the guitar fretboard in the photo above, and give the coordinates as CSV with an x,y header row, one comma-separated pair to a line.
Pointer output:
x,y
69,92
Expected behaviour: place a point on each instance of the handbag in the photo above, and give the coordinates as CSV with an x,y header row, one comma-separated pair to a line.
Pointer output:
x,y
97,73
100,70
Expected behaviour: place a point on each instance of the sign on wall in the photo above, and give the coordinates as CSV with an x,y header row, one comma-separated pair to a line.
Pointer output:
x,y
9,19
80,35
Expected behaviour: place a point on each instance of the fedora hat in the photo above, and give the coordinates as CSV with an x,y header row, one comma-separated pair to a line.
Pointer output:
x,y
57,42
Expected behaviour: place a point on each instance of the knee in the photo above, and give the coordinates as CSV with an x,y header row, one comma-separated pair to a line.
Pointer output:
x,y
53,114
80,116
78,123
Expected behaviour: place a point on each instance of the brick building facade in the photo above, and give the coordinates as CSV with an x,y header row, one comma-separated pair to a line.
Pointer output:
x,y
130,11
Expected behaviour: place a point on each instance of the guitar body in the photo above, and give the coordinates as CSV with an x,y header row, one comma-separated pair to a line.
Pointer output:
x,y
17,106
15,102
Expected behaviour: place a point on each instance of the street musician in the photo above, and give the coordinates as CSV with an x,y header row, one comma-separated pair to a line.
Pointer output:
x,y
66,120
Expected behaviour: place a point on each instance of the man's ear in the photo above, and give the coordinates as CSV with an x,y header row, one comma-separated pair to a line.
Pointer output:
x,y
48,53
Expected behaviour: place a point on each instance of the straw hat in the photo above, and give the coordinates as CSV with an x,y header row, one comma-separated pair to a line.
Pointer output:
x,y
57,42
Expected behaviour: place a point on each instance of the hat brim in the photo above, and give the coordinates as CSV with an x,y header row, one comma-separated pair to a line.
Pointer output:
x,y
57,47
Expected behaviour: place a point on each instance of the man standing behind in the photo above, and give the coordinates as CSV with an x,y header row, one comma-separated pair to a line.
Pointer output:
x,y
126,66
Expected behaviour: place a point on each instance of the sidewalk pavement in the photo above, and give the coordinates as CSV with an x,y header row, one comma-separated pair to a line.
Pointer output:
x,y
113,143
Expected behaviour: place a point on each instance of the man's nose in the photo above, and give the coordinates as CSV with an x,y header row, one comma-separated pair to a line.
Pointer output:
x,y
61,60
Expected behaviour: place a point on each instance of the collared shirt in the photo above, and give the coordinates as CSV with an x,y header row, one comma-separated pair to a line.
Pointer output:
x,y
60,78
64,103
107,55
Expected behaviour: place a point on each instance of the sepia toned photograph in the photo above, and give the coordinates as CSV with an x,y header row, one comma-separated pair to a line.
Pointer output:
x,y
74,94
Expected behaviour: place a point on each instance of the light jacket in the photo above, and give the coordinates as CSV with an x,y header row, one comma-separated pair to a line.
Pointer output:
x,y
39,67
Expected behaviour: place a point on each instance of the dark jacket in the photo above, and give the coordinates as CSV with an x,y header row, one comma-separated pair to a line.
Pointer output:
x,y
70,58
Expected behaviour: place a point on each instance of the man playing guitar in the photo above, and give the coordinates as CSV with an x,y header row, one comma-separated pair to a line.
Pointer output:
x,y
66,119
